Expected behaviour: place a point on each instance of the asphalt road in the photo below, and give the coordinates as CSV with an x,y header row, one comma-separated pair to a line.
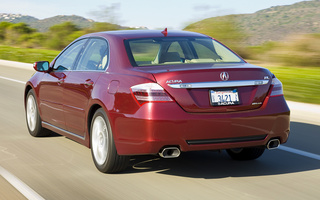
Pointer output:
x,y
58,168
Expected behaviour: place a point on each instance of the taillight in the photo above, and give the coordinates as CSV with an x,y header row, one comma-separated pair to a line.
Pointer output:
x,y
150,92
277,87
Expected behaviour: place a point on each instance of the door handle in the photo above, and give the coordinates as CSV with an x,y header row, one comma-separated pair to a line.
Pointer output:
x,y
88,83
60,81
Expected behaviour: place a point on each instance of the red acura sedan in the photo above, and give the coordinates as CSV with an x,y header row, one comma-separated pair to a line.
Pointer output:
x,y
125,93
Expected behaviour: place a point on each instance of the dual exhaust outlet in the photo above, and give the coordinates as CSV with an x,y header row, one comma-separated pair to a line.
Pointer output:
x,y
273,144
170,152
174,152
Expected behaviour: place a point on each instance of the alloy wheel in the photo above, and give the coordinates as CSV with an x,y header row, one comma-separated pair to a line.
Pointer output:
x,y
100,140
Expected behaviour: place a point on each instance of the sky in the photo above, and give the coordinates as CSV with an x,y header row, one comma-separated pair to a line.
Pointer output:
x,y
174,14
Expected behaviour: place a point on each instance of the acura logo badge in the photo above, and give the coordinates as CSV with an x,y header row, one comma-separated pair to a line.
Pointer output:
x,y
224,76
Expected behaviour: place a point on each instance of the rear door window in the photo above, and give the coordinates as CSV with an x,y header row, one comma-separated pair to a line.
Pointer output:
x,y
95,56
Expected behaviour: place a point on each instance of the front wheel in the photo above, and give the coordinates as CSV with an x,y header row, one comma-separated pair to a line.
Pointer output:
x,y
249,153
33,118
103,149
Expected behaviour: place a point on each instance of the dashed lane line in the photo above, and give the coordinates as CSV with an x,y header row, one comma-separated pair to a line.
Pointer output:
x,y
10,79
24,189
300,152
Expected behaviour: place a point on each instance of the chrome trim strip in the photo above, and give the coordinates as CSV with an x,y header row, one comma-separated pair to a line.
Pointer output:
x,y
228,140
60,129
220,84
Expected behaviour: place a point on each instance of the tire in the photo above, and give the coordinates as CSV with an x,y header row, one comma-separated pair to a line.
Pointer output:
x,y
250,153
103,149
33,118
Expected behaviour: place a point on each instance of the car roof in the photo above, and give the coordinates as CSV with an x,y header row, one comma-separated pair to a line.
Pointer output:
x,y
133,34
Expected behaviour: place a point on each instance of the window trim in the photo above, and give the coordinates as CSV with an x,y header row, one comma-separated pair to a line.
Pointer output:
x,y
81,51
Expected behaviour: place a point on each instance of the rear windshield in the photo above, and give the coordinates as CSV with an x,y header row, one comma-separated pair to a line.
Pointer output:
x,y
180,50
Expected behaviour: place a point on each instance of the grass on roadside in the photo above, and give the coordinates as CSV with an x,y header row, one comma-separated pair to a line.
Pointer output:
x,y
26,55
301,84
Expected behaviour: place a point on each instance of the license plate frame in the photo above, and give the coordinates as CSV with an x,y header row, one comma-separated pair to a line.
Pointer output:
x,y
228,97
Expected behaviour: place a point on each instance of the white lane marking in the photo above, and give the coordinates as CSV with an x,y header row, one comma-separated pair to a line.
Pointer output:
x,y
299,152
10,79
24,189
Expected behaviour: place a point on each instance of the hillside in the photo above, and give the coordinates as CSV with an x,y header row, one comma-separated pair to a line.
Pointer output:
x,y
272,24
44,24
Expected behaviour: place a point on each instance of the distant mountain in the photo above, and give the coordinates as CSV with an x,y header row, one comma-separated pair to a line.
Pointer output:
x,y
275,23
16,18
44,24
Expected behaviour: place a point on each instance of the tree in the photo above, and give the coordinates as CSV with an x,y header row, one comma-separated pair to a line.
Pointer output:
x,y
3,30
15,31
103,26
59,35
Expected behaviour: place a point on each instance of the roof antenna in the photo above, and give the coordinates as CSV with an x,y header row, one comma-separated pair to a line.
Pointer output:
x,y
165,32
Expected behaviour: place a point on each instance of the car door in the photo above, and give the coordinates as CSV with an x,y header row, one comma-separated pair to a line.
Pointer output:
x,y
52,84
80,82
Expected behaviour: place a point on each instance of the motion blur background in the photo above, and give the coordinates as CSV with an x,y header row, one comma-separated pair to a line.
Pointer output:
x,y
283,35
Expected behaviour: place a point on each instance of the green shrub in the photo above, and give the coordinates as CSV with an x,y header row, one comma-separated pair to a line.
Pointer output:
x,y
299,50
26,55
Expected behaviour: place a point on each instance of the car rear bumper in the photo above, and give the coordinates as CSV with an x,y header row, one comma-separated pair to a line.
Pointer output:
x,y
158,125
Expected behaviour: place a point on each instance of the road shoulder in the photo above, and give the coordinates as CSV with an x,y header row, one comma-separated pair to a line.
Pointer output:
x,y
15,64
304,112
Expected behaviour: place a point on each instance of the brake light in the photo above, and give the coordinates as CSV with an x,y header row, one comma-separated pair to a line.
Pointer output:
x,y
150,92
277,88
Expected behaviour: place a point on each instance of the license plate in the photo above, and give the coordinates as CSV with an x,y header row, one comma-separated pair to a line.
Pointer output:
x,y
224,97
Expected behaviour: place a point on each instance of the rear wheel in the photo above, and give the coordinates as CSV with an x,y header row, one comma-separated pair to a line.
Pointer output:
x,y
103,149
249,153
33,118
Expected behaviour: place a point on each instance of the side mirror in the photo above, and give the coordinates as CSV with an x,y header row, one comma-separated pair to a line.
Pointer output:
x,y
42,66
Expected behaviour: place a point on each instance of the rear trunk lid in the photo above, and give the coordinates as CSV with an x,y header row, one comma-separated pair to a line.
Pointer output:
x,y
198,87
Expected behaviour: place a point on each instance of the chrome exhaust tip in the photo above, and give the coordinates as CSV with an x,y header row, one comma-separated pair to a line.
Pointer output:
x,y
170,152
273,144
